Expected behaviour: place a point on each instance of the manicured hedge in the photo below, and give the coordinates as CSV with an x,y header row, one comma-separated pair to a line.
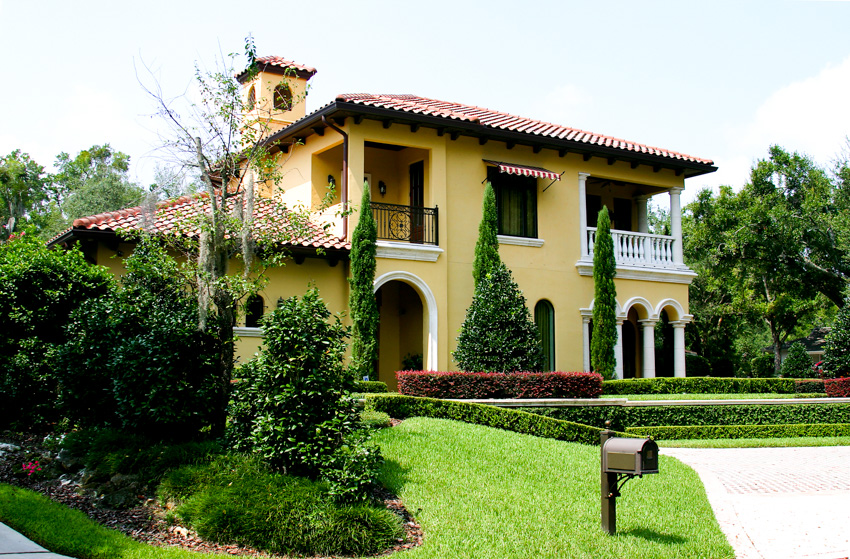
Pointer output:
x,y
370,387
837,387
710,385
743,431
401,407
433,384
623,417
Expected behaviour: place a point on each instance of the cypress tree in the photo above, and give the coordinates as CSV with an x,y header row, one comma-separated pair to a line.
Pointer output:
x,y
498,334
602,358
836,355
487,247
361,299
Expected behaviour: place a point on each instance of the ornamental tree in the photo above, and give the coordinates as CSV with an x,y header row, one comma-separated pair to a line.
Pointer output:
x,y
602,358
836,356
797,364
498,334
487,247
361,300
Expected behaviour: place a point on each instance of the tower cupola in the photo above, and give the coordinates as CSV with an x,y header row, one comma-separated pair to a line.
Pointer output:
x,y
275,94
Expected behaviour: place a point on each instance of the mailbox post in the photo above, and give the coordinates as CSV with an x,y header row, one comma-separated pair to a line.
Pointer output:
x,y
622,457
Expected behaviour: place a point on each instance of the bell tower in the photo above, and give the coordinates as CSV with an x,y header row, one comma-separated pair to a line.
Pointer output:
x,y
275,94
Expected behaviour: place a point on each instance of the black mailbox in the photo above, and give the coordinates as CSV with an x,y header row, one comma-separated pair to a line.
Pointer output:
x,y
630,456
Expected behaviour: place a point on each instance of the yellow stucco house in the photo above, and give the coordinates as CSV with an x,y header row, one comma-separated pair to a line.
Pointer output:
x,y
425,163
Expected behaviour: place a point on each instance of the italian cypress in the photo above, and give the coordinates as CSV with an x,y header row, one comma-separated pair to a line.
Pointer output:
x,y
836,355
602,358
487,247
361,299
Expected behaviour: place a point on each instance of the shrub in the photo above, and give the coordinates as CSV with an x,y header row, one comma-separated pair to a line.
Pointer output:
x,y
623,417
497,333
499,385
743,431
797,364
697,365
836,355
837,387
370,387
291,404
40,289
762,366
699,385
361,300
604,338
375,419
809,386
238,500
402,407
135,358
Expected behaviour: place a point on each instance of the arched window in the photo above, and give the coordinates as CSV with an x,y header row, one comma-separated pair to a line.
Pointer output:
x,y
544,318
282,97
252,98
254,309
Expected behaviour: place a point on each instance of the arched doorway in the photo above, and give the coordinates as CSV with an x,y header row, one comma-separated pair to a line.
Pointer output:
x,y
401,333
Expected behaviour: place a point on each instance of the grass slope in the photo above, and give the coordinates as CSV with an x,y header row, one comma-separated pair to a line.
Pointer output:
x,y
487,493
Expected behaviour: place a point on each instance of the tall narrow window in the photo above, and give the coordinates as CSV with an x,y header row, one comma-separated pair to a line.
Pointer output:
x,y
252,98
282,97
254,309
516,203
544,318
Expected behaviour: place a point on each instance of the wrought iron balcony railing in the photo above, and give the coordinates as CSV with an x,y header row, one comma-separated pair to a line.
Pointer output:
x,y
406,223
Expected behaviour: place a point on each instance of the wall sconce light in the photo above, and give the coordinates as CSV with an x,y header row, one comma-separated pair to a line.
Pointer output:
x,y
382,187
331,181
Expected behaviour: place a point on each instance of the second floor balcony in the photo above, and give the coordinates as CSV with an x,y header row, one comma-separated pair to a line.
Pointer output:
x,y
408,224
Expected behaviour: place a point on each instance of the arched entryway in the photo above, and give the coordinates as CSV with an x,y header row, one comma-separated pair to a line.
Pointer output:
x,y
407,332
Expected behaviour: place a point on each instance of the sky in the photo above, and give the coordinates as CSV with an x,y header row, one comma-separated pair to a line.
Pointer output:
x,y
719,80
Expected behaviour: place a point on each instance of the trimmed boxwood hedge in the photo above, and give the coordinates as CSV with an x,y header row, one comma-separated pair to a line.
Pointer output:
x,y
370,387
401,407
837,387
743,431
711,385
456,384
623,417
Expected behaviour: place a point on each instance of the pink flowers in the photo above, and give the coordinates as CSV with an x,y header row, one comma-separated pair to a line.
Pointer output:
x,y
31,467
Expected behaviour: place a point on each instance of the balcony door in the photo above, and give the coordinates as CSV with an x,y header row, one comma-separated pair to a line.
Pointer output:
x,y
417,202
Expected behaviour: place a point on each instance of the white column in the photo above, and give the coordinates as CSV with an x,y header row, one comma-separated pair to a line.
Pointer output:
x,y
643,225
618,350
648,347
676,224
582,211
585,331
678,348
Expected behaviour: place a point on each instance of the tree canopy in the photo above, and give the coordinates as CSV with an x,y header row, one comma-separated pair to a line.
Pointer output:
x,y
22,190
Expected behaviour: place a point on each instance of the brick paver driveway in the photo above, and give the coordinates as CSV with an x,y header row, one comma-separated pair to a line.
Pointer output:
x,y
777,503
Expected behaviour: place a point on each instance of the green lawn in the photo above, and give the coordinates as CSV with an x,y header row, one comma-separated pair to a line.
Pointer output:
x,y
488,493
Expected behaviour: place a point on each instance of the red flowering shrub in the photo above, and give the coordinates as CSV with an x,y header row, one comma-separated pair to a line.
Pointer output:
x,y
499,385
837,387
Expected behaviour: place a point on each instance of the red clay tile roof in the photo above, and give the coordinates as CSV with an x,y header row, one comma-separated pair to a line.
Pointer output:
x,y
281,62
504,121
179,217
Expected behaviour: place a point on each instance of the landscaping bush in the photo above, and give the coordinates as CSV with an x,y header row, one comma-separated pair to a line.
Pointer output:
x,y
699,385
624,417
499,385
238,500
837,387
498,334
291,404
375,419
762,366
39,291
135,358
697,365
836,355
370,387
743,431
401,407
797,364
809,386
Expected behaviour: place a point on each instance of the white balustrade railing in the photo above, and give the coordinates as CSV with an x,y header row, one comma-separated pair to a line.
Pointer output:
x,y
637,249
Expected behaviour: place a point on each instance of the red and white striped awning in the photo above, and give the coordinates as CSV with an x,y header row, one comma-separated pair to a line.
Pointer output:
x,y
524,170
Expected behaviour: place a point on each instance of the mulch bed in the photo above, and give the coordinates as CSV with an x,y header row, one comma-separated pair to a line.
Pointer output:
x,y
146,521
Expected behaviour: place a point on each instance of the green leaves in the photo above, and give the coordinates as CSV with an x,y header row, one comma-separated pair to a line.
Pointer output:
x,y
604,338
361,301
